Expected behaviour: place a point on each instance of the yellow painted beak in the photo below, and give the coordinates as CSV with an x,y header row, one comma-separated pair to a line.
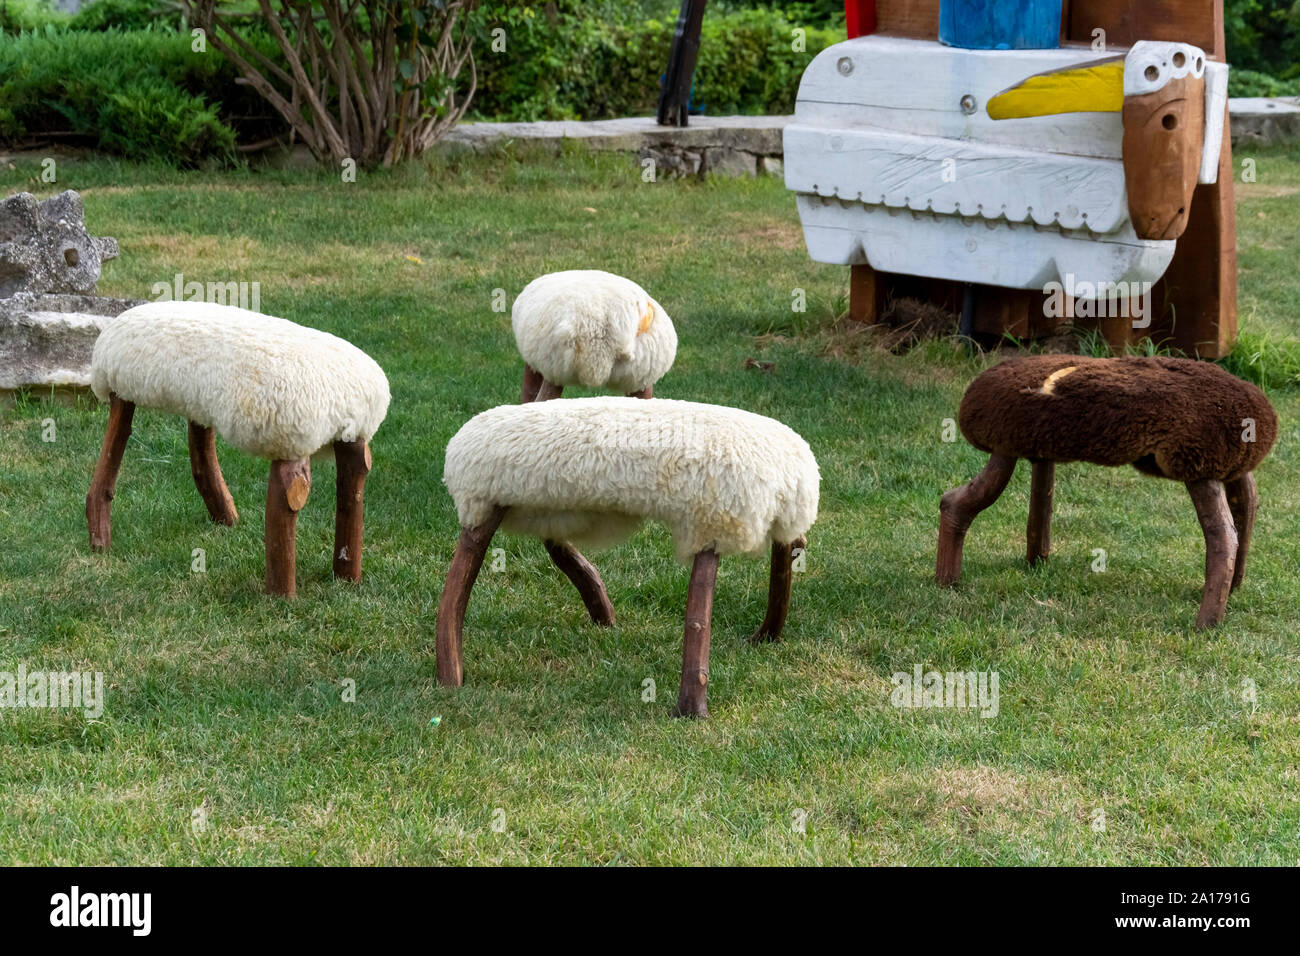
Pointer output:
x,y
1097,87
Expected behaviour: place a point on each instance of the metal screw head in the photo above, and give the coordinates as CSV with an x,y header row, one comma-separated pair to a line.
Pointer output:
x,y
844,65
968,104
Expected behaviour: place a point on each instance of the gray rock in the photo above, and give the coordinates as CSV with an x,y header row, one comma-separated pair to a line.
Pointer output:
x,y
772,166
1259,121
671,162
48,340
44,246
721,161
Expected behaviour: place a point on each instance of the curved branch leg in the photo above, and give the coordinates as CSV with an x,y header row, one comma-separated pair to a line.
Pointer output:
x,y
465,565
692,696
779,585
647,392
286,493
1243,502
354,463
548,391
99,499
958,508
532,382
207,475
585,578
1038,542
1220,548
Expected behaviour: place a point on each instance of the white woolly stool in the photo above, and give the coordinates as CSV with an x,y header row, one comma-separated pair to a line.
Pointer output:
x,y
269,387
589,470
593,329
589,328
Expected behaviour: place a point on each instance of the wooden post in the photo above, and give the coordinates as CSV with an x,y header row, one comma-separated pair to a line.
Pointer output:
x,y
461,575
692,696
1039,536
548,391
958,508
286,493
779,584
353,461
532,382
1243,502
207,475
866,294
104,483
675,97
585,578
1220,549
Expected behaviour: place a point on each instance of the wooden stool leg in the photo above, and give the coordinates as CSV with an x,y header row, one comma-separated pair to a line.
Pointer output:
x,y
1220,548
548,391
958,508
779,584
353,462
1243,502
104,483
465,565
532,382
585,578
1039,537
286,493
647,392
692,696
207,475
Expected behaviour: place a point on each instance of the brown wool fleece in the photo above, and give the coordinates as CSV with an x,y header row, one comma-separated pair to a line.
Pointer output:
x,y
1174,418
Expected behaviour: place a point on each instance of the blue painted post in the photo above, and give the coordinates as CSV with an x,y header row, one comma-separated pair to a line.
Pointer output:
x,y
1000,24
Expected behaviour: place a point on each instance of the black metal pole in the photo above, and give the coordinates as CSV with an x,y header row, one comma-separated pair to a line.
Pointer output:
x,y
675,96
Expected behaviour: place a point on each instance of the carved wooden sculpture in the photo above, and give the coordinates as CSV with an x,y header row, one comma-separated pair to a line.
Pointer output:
x,y
1181,419
591,469
895,150
271,388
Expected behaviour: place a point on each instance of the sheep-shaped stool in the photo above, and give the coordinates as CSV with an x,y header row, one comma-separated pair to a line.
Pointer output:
x,y
594,329
599,330
1172,418
589,470
269,387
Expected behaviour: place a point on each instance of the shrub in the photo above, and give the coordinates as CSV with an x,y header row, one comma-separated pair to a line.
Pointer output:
x,y
18,15
141,94
1251,83
126,15
372,83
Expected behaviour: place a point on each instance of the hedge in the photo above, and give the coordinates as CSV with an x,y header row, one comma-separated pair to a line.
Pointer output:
x,y
575,67
141,93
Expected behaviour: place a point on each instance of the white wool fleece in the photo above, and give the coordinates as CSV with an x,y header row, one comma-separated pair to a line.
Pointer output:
x,y
595,329
588,470
268,386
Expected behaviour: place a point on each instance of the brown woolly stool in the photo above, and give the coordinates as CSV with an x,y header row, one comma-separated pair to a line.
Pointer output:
x,y
1182,419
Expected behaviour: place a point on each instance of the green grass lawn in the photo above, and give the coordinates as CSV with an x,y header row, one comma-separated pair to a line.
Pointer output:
x,y
1123,736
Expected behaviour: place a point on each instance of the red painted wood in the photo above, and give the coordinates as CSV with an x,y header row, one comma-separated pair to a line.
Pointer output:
x,y
859,17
